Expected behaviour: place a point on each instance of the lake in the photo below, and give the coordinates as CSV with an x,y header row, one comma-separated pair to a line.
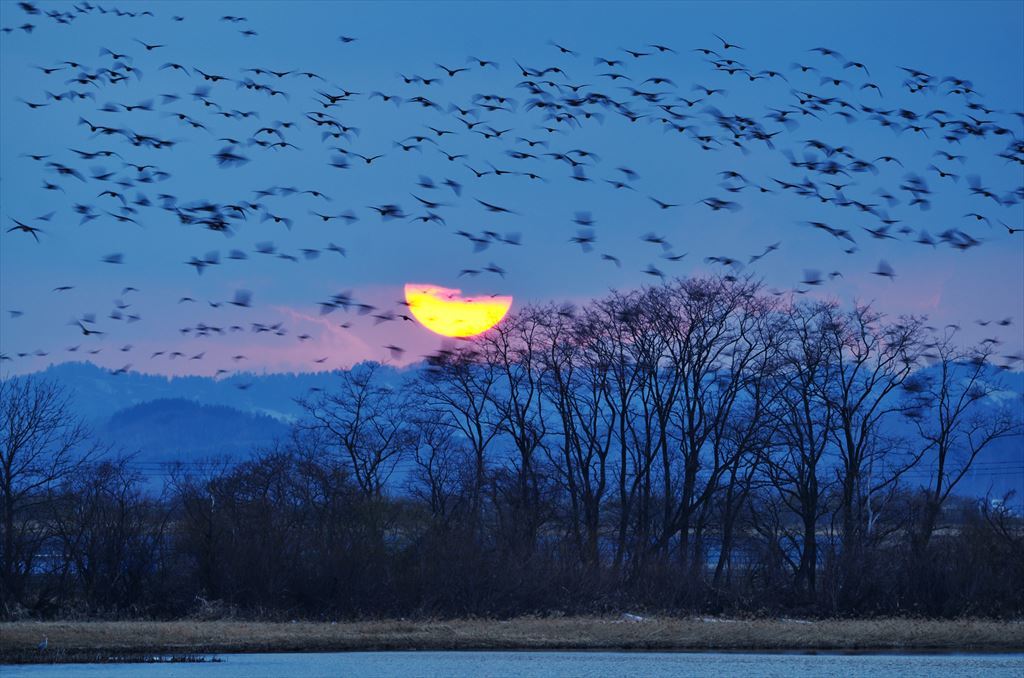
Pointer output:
x,y
526,664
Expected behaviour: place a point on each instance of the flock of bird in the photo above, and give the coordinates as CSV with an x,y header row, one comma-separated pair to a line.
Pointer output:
x,y
522,129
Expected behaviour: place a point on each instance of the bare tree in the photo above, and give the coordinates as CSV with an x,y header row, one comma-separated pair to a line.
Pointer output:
x,y
111,533
872,358
707,324
514,353
41,445
621,341
745,436
958,415
574,389
444,470
803,422
365,421
457,385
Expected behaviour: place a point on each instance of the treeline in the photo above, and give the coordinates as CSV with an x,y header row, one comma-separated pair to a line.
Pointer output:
x,y
699,445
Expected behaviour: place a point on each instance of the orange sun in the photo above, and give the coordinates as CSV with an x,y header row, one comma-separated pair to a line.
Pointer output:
x,y
446,312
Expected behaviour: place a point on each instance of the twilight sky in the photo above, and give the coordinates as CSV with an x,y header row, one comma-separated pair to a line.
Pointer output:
x,y
977,41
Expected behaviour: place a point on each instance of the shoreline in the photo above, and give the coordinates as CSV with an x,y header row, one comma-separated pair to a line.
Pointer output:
x,y
187,640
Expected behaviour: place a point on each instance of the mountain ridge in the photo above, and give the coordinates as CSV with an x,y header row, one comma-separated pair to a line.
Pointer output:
x,y
144,415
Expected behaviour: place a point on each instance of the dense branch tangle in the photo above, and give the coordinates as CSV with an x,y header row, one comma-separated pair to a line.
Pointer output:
x,y
698,444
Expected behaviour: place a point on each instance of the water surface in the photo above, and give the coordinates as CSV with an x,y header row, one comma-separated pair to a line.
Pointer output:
x,y
530,664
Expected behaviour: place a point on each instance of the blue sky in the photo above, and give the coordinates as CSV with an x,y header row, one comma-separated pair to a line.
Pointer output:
x,y
978,41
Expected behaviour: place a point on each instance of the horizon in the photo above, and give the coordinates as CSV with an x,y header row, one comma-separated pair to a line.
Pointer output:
x,y
1004,473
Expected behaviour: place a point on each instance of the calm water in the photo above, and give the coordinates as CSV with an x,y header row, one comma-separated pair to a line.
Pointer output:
x,y
588,664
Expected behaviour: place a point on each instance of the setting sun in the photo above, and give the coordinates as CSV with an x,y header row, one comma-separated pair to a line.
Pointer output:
x,y
446,312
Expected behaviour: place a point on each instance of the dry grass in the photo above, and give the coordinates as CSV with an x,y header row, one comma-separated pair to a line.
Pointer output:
x,y
18,639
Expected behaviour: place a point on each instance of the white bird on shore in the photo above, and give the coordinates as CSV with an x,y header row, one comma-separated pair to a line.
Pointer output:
x,y
44,644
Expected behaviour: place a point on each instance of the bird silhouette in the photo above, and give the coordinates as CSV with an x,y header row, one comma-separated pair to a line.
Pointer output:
x,y
538,138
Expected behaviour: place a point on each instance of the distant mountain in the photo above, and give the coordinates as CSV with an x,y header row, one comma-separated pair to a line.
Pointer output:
x,y
160,419
172,429
195,417
98,393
